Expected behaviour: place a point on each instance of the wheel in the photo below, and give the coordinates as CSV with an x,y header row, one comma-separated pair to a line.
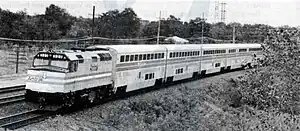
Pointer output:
x,y
92,97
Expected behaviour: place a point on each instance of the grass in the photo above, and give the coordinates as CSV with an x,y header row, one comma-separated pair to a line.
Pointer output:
x,y
197,105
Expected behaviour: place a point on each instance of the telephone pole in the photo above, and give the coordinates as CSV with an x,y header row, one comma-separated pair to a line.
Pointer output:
x,y
158,30
233,35
93,24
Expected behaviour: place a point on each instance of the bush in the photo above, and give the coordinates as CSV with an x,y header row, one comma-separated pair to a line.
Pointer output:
x,y
275,86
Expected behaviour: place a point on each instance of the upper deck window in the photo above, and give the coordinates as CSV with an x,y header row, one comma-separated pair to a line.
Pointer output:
x,y
206,52
232,50
136,57
255,49
131,57
242,50
126,58
122,59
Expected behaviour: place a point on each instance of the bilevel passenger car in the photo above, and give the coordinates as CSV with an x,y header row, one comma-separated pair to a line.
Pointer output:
x,y
90,74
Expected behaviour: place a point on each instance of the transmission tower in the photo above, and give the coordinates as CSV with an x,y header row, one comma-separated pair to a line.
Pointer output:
x,y
223,12
217,11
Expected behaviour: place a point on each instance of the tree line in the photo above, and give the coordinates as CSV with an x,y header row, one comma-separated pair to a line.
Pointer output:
x,y
57,23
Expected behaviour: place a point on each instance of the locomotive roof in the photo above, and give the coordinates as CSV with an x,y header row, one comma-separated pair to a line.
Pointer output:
x,y
71,54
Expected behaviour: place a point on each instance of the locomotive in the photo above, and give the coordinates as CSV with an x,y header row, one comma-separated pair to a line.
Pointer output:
x,y
88,75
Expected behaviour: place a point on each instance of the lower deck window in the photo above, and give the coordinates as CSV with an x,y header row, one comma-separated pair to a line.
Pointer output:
x,y
179,71
149,76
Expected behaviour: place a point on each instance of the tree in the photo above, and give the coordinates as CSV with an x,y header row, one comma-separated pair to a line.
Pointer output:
x,y
11,24
172,26
115,24
58,18
80,28
150,30
218,30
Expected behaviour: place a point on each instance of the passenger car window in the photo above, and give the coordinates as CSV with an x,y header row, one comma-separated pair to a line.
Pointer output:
x,y
127,58
131,57
122,59
136,57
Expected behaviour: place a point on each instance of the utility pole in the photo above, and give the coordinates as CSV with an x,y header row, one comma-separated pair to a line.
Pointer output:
x,y
202,25
233,35
93,24
158,30
17,60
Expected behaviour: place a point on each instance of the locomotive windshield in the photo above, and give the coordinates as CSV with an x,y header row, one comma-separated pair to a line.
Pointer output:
x,y
51,61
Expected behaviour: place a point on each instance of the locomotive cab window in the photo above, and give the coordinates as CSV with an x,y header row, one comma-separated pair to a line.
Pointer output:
x,y
51,61
73,65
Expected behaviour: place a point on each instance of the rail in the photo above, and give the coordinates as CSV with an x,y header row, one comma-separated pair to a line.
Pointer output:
x,y
23,119
12,89
12,99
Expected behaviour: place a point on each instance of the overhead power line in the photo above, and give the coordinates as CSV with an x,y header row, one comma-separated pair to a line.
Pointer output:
x,y
64,40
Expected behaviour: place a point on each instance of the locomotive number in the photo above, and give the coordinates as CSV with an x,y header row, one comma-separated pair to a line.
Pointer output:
x,y
35,78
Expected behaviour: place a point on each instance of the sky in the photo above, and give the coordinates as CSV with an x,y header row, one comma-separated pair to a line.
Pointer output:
x,y
272,12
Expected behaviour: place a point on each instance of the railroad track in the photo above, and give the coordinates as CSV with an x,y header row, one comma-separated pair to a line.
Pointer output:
x,y
12,89
12,99
24,118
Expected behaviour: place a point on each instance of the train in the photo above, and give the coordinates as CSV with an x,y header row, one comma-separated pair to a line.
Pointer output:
x,y
89,75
